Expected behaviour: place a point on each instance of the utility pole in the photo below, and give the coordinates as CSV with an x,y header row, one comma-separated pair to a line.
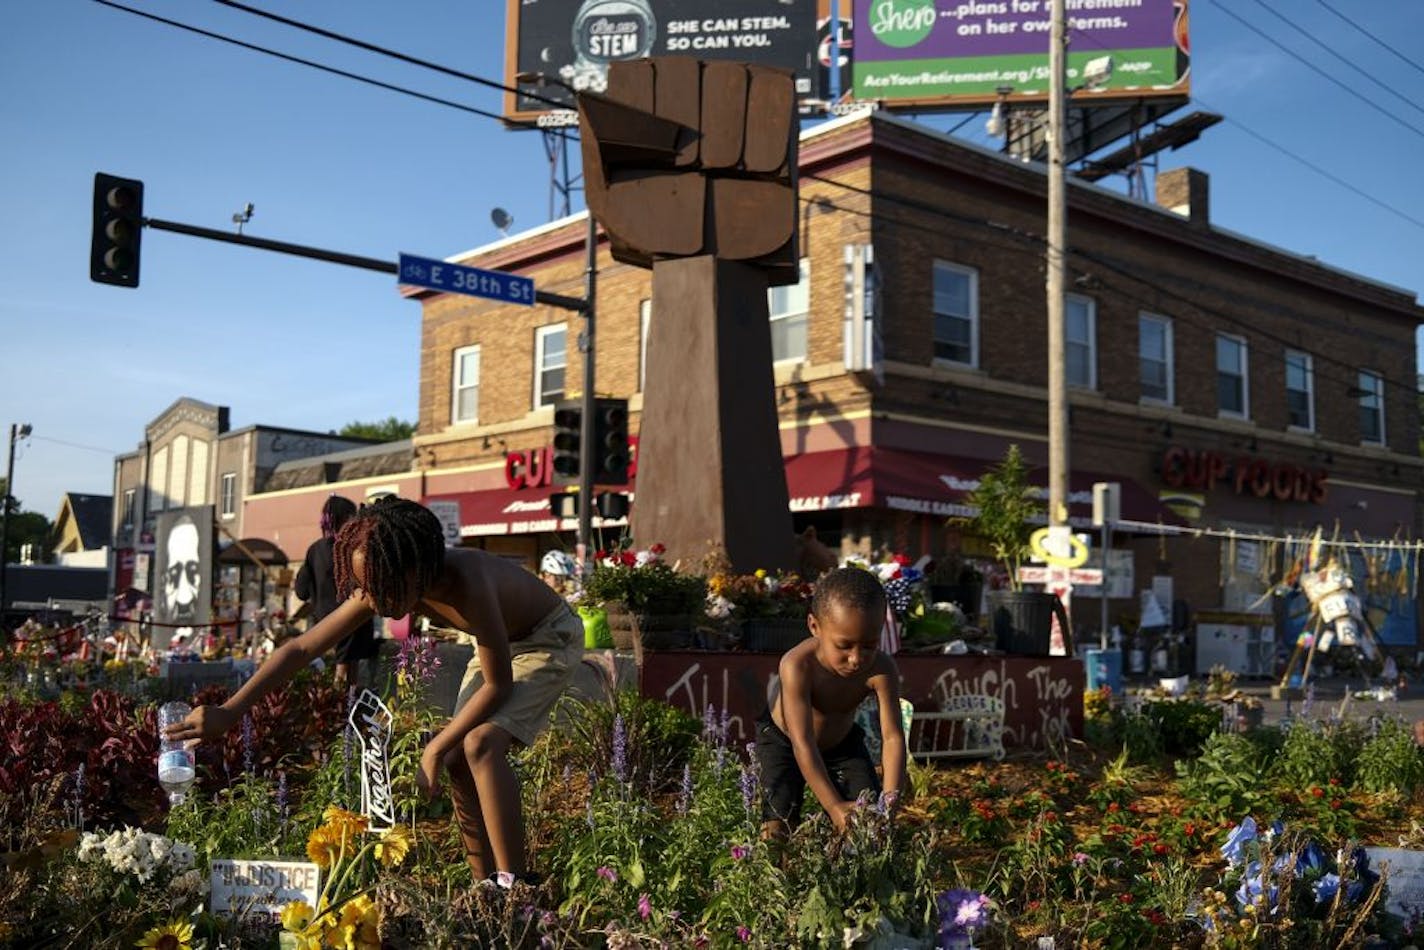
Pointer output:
x,y
21,432
1058,463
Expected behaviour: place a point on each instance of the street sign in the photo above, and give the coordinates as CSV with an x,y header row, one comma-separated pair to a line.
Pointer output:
x,y
458,279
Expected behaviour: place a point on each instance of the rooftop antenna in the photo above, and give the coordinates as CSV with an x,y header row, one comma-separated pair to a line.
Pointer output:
x,y
502,220
242,217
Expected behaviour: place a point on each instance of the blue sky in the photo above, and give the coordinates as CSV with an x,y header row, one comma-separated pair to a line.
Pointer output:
x,y
333,163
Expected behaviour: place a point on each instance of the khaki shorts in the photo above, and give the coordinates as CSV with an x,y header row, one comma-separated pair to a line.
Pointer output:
x,y
543,664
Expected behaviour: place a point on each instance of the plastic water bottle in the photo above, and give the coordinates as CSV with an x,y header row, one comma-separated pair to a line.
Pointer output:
x,y
176,765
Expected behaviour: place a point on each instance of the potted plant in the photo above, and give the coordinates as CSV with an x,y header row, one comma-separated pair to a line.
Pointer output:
x,y
1006,511
638,589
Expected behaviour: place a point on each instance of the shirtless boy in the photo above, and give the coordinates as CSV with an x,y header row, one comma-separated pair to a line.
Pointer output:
x,y
391,559
808,735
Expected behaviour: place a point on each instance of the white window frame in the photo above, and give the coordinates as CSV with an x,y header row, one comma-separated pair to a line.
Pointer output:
x,y
1245,372
457,388
1091,306
1373,384
1169,356
973,315
1308,365
645,317
127,517
227,494
541,335
788,293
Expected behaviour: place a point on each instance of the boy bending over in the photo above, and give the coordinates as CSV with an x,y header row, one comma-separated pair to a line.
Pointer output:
x,y
808,735
391,559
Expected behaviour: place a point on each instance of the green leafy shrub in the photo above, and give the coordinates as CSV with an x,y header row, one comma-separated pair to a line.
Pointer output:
x,y
1390,761
1184,724
1227,779
658,738
1312,754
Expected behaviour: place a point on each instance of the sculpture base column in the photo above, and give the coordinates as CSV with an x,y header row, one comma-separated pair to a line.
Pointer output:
x,y
710,470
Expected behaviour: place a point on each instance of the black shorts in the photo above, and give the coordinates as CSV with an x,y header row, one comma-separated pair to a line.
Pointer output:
x,y
360,645
783,786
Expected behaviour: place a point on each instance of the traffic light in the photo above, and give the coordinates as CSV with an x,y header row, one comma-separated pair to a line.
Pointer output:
x,y
611,505
118,228
568,423
610,442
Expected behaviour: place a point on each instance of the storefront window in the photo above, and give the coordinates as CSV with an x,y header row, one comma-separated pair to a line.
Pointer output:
x,y
1232,392
1300,390
956,313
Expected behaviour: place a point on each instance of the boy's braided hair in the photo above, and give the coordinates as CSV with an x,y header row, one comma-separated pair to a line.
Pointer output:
x,y
404,549
849,587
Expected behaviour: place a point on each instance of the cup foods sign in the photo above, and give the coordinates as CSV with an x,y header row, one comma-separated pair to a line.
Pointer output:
x,y
574,41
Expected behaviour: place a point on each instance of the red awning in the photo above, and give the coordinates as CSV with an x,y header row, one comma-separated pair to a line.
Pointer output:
x,y
512,511
858,477
904,480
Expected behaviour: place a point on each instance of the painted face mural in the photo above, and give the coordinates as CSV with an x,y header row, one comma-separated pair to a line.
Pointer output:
x,y
183,572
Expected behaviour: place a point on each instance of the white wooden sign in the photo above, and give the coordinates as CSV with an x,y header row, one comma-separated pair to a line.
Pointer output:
x,y
262,888
1406,878
371,720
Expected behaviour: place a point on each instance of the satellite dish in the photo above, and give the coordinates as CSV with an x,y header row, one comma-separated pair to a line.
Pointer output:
x,y
502,220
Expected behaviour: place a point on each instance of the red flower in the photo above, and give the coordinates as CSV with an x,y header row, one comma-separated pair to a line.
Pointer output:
x,y
1114,808
1318,792
1190,829
1159,849
1125,898
600,554
658,549
901,559
1334,781
1336,803
1034,905
1049,817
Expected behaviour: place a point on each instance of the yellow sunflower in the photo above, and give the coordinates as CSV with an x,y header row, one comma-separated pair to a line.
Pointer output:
x,y
393,846
359,927
340,820
325,847
297,916
177,935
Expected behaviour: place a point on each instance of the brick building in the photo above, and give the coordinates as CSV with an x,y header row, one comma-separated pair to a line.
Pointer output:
x,y
1211,374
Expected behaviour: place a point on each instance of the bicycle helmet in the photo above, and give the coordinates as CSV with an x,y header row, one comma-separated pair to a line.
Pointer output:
x,y
557,563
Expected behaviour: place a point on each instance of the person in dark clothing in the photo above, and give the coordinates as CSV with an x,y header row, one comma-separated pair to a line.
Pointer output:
x,y
316,585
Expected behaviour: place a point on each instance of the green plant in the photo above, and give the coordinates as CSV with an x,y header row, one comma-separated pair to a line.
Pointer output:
x,y
644,583
1310,756
1184,724
1227,779
1007,509
1390,760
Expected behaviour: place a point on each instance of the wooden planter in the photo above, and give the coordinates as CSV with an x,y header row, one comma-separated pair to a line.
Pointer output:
x,y
655,631
773,635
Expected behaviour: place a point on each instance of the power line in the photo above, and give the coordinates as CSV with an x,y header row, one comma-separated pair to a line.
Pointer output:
x,y
383,51
305,62
74,445
1308,35
1301,59
1381,42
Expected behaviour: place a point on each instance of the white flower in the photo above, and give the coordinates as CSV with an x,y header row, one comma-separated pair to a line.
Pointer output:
x,y
718,607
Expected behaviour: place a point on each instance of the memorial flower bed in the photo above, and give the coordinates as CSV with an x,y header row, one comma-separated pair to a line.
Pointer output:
x,y
1162,832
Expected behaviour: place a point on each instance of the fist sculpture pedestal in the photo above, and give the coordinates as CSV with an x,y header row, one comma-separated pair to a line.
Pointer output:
x,y
690,168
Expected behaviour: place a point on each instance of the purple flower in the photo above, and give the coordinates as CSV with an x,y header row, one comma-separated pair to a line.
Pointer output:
x,y
418,659
709,722
724,727
961,911
248,743
1079,858
620,748
684,797
645,906
744,934
740,851
608,874
1238,839
748,784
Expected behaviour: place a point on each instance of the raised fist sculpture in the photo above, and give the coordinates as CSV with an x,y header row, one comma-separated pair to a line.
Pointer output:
x,y
690,168
683,158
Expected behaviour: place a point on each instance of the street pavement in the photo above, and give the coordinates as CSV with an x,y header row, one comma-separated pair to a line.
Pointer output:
x,y
1328,698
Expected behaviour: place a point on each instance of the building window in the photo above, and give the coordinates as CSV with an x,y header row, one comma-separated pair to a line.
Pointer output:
x,y
645,317
1154,357
550,362
1371,407
465,405
229,494
129,495
1300,390
789,306
1080,339
1233,393
956,314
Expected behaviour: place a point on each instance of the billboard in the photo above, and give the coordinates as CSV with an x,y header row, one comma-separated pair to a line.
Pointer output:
x,y
183,580
938,54
573,41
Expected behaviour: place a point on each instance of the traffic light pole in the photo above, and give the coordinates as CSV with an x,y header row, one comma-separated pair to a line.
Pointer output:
x,y
587,451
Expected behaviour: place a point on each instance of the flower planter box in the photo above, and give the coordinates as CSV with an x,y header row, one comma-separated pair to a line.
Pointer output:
x,y
773,636
654,631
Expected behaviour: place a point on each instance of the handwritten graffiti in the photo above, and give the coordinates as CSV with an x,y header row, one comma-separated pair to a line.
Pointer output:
x,y
371,720
1042,697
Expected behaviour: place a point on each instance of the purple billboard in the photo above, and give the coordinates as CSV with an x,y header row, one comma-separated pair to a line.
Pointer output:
x,y
948,53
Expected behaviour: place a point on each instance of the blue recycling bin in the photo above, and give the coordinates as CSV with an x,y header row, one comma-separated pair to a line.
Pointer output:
x,y
1104,668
